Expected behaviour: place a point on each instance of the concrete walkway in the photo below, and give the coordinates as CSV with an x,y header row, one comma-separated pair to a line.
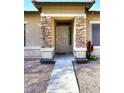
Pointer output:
x,y
63,78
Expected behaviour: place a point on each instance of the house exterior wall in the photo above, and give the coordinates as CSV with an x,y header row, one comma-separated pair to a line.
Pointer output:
x,y
42,44
66,12
91,18
80,37
33,34
63,9
32,52
81,32
46,29
33,29
47,49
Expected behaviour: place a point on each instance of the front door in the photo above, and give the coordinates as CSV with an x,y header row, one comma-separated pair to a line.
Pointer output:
x,y
62,39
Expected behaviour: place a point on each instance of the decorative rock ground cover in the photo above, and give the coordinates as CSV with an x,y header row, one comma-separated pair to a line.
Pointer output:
x,y
88,76
36,76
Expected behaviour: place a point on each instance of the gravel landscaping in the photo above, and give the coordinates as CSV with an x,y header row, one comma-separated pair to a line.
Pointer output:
x,y
36,76
88,76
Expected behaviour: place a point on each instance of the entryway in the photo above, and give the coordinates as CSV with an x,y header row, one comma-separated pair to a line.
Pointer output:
x,y
64,37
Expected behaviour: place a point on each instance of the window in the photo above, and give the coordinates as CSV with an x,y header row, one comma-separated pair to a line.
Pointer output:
x,y
96,34
24,35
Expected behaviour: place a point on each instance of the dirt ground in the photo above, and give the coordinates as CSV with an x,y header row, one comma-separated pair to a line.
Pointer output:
x,y
88,76
36,76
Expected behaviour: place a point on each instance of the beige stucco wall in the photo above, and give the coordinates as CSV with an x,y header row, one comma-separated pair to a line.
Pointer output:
x,y
33,29
33,34
63,9
32,53
91,17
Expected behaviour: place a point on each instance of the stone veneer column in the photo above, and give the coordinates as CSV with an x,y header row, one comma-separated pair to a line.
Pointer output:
x,y
46,27
80,38
46,37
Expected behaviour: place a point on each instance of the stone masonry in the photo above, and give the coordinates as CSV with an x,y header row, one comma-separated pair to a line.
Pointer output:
x,y
46,36
80,32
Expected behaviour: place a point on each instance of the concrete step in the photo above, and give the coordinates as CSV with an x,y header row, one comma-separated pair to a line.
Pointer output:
x,y
63,79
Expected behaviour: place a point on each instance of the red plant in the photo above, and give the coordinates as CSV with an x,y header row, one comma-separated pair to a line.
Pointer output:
x,y
89,46
92,47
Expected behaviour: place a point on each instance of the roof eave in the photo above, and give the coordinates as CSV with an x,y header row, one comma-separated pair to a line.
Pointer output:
x,y
39,5
31,11
93,12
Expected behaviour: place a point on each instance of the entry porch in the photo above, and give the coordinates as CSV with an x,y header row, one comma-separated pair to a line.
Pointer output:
x,y
63,34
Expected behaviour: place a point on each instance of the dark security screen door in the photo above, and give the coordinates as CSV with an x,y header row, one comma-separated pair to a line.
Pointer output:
x,y
96,34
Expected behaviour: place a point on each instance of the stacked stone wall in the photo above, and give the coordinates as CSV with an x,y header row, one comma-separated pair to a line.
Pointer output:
x,y
46,28
80,32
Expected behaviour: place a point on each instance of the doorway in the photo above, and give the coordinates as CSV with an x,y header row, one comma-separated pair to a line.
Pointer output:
x,y
64,37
